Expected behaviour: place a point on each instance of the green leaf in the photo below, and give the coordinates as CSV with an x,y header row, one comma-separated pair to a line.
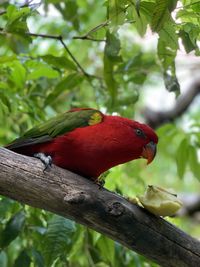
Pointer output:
x,y
5,207
187,16
167,49
188,45
23,260
12,229
5,100
17,19
172,5
101,264
107,248
111,57
160,15
37,258
189,34
57,238
141,15
3,259
137,7
13,13
69,11
64,85
78,245
117,11
112,47
43,71
5,59
182,157
95,237
18,74
193,162
171,81
59,62
140,20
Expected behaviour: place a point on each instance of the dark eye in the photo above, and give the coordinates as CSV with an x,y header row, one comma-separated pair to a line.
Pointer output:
x,y
139,132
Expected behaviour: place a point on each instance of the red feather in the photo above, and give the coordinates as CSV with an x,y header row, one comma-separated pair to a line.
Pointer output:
x,y
91,150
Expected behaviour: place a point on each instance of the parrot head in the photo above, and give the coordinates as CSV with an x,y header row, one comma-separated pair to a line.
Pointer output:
x,y
147,139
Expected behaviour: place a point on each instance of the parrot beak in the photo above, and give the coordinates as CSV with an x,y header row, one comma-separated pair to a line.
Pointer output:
x,y
149,152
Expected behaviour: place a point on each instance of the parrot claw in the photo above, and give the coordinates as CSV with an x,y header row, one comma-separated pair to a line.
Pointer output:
x,y
100,182
46,160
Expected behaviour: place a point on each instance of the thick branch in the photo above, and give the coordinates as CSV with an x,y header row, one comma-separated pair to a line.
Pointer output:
x,y
74,197
157,118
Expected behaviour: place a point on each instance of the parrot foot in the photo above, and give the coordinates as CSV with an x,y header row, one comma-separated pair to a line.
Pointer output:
x,y
46,160
100,182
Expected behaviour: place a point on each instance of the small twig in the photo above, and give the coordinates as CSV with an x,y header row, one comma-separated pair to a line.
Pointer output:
x,y
84,37
96,28
59,38
72,57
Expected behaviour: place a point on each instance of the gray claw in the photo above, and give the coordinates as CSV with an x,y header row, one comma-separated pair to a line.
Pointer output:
x,y
46,160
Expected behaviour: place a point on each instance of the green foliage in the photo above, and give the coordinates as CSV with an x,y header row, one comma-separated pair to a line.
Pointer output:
x,y
182,157
57,238
23,260
104,60
12,229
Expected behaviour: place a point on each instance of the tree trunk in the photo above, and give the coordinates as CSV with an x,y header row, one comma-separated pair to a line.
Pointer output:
x,y
72,196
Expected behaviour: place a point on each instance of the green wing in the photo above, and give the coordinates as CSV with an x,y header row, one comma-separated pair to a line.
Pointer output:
x,y
59,125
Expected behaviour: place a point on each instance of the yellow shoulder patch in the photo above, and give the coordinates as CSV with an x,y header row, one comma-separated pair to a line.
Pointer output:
x,y
95,118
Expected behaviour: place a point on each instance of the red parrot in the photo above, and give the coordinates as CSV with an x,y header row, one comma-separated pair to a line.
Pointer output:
x,y
87,142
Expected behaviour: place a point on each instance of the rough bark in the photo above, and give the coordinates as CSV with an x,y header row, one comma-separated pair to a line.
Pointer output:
x,y
67,194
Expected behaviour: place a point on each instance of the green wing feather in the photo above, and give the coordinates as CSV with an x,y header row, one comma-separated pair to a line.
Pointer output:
x,y
59,125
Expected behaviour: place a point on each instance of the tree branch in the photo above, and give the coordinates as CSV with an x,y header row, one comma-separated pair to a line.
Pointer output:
x,y
60,39
157,118
69,195
96,28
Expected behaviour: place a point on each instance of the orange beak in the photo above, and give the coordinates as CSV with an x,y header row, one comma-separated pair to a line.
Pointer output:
x,y
149,152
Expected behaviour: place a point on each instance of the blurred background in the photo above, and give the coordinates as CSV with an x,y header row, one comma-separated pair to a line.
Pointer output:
x,y
138,59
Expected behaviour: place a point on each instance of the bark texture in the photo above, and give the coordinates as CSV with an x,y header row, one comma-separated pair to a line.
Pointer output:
x,y
67,194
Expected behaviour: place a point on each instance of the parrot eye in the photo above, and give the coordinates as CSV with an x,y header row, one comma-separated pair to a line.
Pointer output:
x,y
140,133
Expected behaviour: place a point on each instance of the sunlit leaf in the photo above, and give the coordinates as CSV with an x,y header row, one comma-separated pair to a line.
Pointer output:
x,y
17,19
4,59
18,74
43,71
